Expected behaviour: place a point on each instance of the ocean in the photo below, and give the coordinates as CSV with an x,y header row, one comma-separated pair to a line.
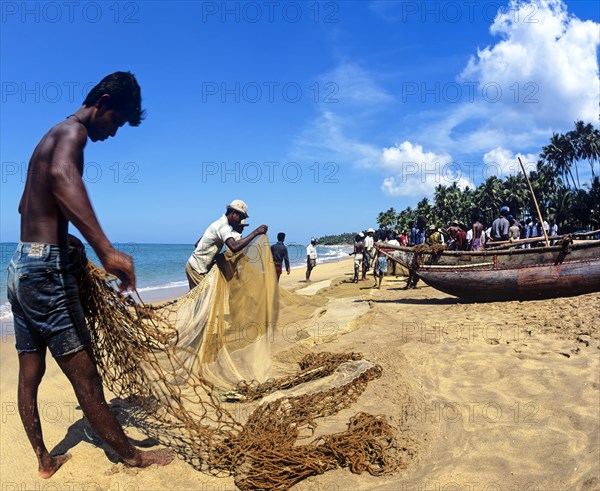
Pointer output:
x,y
160,268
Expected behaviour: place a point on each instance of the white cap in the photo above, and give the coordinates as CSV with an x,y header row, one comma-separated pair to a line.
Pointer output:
x,y
239,205
370,230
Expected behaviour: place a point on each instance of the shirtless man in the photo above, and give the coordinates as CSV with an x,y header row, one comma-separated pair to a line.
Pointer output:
x,y
478,240
41,283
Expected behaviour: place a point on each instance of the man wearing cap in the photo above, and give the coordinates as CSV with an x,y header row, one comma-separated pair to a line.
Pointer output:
x,y
217,234
433,236
311,257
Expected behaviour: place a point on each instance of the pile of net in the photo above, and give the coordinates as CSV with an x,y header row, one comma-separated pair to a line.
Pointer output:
x,y
196,372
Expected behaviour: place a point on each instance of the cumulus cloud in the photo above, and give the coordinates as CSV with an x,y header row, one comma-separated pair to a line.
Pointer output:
x,y
503,162
540,76
416,172
546,59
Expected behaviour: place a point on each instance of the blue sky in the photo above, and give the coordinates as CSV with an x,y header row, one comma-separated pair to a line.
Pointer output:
x,y
318,114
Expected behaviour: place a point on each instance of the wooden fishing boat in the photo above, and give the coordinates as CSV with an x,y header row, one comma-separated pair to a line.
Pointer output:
x,y
565,269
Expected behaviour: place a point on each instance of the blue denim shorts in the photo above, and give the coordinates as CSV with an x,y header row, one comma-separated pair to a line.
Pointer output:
x,y
43,293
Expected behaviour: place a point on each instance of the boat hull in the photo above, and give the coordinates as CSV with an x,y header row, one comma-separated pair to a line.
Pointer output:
x,y
519,274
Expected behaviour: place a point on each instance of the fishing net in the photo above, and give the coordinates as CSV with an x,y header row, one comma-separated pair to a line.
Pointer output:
x,y
196,374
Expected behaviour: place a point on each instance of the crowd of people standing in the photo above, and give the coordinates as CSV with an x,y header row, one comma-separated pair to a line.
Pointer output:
x,y
460,237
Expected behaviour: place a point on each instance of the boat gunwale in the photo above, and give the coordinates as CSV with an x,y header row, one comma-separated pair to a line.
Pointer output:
x,y
495,268
500,252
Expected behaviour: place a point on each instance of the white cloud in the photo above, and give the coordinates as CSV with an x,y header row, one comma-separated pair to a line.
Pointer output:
x,y
544,69
539,77
416,172
326,136
503,162
352,85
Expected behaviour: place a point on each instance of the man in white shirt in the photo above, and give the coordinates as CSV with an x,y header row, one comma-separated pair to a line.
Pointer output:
x,y
217,234
369,252
311,257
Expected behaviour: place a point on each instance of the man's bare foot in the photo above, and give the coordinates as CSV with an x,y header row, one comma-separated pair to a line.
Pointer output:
x,y
54,464
162,456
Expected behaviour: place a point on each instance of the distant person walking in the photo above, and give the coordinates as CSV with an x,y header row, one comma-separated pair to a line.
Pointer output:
x,y
311,257
358,255
280,255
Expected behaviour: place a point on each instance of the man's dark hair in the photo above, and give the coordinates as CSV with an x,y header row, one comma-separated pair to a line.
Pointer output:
x,y
280,237
125,95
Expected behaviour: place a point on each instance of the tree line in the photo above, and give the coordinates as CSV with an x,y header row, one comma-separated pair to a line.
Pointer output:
x,y
556,182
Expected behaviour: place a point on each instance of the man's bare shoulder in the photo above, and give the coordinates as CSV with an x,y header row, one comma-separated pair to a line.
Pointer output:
x,y
69,132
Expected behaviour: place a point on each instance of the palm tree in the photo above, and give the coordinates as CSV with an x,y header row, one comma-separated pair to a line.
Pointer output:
x,y
545,182
562,208
593,203
516,194
387,219
442,212
405,218
586,143
488,197
466,205
560,154
424,210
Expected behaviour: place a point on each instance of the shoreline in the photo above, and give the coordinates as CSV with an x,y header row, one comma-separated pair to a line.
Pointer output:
x,y
160,294
166,292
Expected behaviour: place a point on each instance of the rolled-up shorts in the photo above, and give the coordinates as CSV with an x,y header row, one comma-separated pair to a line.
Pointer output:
x,y
43,293
381,265
193,276
358,258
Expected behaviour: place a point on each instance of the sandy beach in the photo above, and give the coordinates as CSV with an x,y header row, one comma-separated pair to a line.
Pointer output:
x,y
485,396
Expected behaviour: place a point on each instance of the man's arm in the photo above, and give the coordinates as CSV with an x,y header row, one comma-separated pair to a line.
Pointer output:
x,y
73,200
238,245
286,260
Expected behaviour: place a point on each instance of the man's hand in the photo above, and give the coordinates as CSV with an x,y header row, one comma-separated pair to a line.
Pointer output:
x,y
75,242
77,251
261,230
121,265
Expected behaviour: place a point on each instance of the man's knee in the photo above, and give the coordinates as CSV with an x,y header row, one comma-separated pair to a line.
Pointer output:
x,y
32,367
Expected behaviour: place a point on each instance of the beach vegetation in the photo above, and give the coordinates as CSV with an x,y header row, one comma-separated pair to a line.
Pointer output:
x,y
557,182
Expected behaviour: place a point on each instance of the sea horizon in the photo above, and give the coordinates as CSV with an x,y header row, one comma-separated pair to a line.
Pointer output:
x,y
160,268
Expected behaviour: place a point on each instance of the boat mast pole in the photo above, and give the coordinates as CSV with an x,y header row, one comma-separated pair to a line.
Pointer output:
x,y
537,207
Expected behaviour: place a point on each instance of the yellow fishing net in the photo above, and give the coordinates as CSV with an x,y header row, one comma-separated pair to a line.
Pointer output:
x,y
196,372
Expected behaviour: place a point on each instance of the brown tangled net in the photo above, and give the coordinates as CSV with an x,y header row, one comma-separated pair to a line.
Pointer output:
x,y
428,250
152,357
